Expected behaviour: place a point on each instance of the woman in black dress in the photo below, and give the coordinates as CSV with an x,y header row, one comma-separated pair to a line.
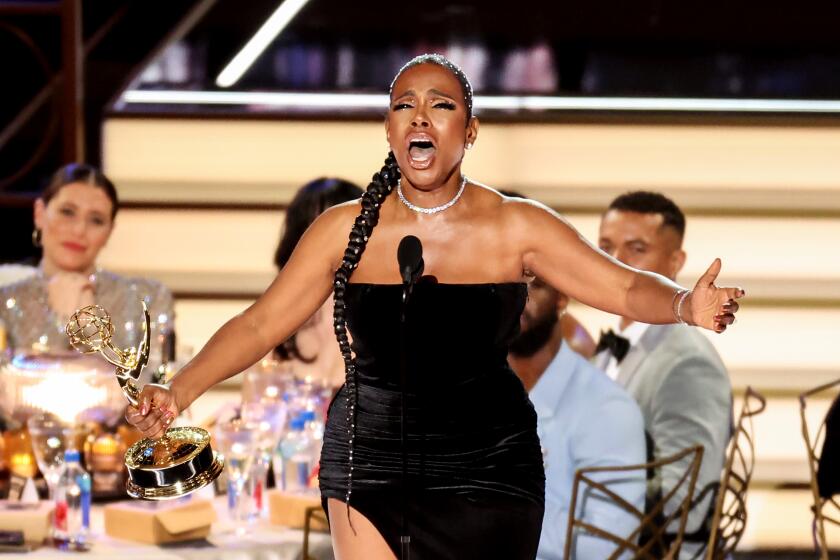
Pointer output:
x,y
474,482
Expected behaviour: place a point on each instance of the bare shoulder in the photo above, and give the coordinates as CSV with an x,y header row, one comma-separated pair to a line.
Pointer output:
x,y
337,218
528,224
326,238
517,211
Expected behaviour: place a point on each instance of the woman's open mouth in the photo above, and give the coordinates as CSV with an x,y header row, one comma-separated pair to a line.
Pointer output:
x,y
421,151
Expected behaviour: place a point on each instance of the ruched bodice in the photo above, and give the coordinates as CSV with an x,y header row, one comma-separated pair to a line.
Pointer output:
x,y
455,332
470,427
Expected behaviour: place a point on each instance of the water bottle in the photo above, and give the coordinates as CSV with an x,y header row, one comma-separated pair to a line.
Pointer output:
x,y
298,460
314,425
72,504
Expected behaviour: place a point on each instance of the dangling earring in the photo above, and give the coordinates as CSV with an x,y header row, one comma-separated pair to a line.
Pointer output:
x,y
36,237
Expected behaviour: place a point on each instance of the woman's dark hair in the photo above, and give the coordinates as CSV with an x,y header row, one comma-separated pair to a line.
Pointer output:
x,y
309,203
443,62
81,173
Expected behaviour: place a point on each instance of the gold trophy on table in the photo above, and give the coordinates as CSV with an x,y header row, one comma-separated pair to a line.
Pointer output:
x,y
178,463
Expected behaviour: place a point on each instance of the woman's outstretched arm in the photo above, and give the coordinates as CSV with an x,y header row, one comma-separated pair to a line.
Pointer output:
x,y
554,251
298,291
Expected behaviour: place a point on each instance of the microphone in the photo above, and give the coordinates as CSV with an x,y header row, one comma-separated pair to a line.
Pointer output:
x,y
410,259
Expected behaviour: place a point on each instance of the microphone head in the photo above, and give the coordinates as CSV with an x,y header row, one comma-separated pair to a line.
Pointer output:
x,y
410,258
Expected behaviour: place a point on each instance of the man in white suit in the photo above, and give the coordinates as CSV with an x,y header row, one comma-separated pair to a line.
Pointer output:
x,y
672,371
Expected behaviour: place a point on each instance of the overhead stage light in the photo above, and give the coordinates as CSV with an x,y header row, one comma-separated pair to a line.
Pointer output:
x,y
533,103
255,46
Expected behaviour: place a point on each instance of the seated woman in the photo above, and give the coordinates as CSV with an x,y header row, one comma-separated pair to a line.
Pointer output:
x,y
312,350
74,217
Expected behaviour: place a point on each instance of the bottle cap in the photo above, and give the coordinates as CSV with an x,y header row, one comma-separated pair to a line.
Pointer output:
x,y
71,456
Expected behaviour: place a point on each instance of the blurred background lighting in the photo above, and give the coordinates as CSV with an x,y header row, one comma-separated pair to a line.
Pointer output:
x,y
340,101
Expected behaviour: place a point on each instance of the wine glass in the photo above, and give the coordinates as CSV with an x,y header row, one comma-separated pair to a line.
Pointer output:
x,y
270,418
239,442
50,438
266,380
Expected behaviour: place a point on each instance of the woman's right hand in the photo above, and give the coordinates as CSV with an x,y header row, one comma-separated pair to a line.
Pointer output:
x,y
155,411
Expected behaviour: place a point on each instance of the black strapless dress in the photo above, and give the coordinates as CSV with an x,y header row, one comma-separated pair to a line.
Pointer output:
x,y
475,481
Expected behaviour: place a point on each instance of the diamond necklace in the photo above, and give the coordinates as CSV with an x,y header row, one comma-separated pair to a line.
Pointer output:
x,y
436,209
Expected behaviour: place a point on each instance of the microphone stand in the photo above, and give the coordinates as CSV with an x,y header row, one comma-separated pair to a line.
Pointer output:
x,y
405,538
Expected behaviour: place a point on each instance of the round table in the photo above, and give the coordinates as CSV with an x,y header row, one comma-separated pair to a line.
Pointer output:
x,y
264,542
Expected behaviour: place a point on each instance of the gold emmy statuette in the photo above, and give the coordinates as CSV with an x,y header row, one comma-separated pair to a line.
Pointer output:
x,y
178,463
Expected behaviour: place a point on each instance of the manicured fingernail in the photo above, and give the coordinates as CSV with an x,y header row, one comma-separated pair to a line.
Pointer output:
x,y
144,409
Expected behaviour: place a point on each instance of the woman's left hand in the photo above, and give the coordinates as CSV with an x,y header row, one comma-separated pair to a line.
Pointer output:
x,y
712,307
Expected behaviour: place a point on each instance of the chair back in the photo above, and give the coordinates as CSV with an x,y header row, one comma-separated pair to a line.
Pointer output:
x,y
649,541
314,516
730,512
826,510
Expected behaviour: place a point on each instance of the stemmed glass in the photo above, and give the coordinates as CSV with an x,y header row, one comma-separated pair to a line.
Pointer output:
x,y
239,442
266,380
50,438
265,400
269,416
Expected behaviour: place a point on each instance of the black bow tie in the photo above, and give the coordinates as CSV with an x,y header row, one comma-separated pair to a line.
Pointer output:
x,y
616,344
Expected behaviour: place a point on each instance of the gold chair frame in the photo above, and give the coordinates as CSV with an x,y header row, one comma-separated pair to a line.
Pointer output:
x,y
313,513
730,513
812,446
653,523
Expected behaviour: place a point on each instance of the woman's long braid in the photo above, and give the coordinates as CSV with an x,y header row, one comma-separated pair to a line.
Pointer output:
x,y
379,188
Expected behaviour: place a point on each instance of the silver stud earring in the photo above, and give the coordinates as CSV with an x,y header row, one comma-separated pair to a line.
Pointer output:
x,y
469,145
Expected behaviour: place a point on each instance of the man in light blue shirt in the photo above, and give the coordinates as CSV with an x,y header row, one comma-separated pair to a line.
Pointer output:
x,y
584,420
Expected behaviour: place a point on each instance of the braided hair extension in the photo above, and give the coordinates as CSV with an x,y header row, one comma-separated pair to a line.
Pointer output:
x,y
380,187
443,62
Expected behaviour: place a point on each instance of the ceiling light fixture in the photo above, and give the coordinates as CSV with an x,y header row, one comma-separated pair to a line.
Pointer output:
x,y
255,46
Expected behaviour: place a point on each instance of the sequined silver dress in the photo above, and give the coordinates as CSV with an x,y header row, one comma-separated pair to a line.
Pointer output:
x,y
32,325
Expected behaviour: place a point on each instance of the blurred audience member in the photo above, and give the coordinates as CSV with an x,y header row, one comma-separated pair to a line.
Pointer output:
x,y
672,371
74,217
584,420
574,333
312,350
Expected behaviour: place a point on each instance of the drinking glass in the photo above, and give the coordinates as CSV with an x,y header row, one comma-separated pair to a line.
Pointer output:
x,y
266,380
239,442
19,456
50,438
270,418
